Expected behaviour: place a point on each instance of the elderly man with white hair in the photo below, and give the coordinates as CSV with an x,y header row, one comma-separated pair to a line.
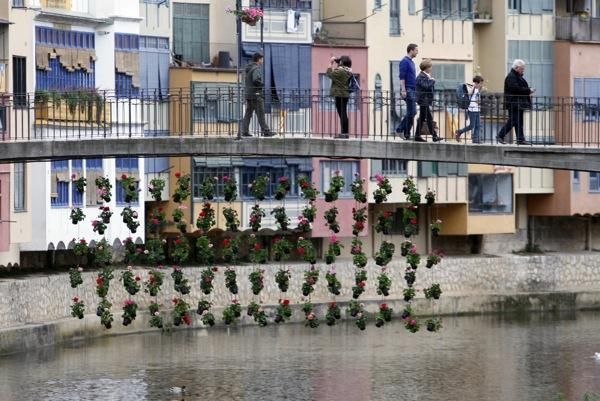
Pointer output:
x,y
517,99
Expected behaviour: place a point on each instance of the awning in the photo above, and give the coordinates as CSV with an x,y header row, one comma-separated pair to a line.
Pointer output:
x,y
302,163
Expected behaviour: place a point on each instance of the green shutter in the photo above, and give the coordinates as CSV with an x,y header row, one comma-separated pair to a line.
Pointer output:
x,y
426,169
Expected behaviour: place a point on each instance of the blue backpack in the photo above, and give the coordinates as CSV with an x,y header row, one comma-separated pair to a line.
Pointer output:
x,y
353,85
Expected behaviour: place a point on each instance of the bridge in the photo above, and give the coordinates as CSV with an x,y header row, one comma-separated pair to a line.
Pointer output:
x,y
564,132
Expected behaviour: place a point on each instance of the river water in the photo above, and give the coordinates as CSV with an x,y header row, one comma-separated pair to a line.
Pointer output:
x,y
530,357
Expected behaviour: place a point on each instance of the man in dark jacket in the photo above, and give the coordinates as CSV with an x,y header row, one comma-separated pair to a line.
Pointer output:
x,y
517,99
254,96
408,77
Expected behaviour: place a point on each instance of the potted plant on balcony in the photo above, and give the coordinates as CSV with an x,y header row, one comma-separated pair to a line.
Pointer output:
x,y
336,185
310,212
333,283
436,226
307,251
207,188
230,249
79,183
282,248
384,222
282,278
283,187
434,292
384,188
256,216
360,218
182,188
303,224
204,251
206,218
258,187
249,15
358,191
129,184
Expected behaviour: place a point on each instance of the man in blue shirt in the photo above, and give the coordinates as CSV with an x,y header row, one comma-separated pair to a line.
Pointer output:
x,y
408,78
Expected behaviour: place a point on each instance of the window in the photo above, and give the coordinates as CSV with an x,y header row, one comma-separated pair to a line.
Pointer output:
x,y
215,102
20,81
576,181
447,9
587,95
18,3
191,32
448,76
249,174
94,169
347,169
442,169
394,17
200,173
539,56
154,65
514,5
59,183
533,6
412,10
328,102
285,4
129,166
76,196
377,5
490,193
388,167
398,222
19,183
595,182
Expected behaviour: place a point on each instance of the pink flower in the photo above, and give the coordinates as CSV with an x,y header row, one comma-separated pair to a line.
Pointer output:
x,y
129,302
413,249
334,239
74,176
75,299
310,316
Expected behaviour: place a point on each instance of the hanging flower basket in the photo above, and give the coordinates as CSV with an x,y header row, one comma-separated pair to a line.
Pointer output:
x,y
250,15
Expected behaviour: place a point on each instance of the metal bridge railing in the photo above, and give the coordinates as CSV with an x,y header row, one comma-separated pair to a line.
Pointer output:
x,y
218,111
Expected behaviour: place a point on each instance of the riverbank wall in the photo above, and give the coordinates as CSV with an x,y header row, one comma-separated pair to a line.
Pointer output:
x,y
35,310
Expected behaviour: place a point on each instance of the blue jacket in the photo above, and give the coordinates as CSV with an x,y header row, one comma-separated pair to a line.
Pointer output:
x,y
408,73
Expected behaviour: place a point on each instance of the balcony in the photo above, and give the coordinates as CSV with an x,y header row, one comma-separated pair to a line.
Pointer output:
x,y
341,33
578,29
276,29
68,11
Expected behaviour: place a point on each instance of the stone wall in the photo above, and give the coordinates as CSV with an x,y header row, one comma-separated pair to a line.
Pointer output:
x,y
41,299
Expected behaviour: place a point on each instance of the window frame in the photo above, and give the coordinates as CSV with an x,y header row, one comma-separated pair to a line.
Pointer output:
x,y
509,209
249,174
576,181
335,166
596,179
20,192
219,172
127,166
19,84
395,28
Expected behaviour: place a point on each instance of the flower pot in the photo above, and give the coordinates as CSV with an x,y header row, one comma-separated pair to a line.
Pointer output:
x,y
233,228
335,229
429,264
126,321
176,219
108,325
177,321
430,201
306,291
403,252
378,199
435,232
436,296
312,261
385,292
249,20
128,198
337,251
430,326
184,290
176,198
385,231
277,257
329,259
330,197
99,311
101,232
132,290
413,265
157,197
407,299
379,323
182,229
153,292
75,221
255,229
278,319
132,229
227,321
279,195
361,325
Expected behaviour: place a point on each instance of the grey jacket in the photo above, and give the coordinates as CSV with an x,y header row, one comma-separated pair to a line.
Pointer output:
x,y
254,81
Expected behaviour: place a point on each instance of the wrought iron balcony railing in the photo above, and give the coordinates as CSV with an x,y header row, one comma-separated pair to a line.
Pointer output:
x,y
218,111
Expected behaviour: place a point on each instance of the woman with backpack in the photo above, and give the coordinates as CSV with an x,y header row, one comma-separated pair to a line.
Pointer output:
x,y
473,110
340,72
425,85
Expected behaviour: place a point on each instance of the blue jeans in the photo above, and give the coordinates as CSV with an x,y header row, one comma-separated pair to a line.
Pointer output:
x,y
474,124
411,111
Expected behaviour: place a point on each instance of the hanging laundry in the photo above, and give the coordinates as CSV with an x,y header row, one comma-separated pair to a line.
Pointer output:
x,y
293,21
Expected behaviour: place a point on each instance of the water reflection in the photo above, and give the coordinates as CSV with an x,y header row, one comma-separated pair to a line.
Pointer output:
x,y
527,357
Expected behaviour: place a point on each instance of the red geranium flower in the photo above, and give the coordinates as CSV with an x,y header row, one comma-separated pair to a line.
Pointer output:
x,y
301,251
178,174
286,302
124,177
257,247
413,220
225,242
383,307
186,319
75,299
